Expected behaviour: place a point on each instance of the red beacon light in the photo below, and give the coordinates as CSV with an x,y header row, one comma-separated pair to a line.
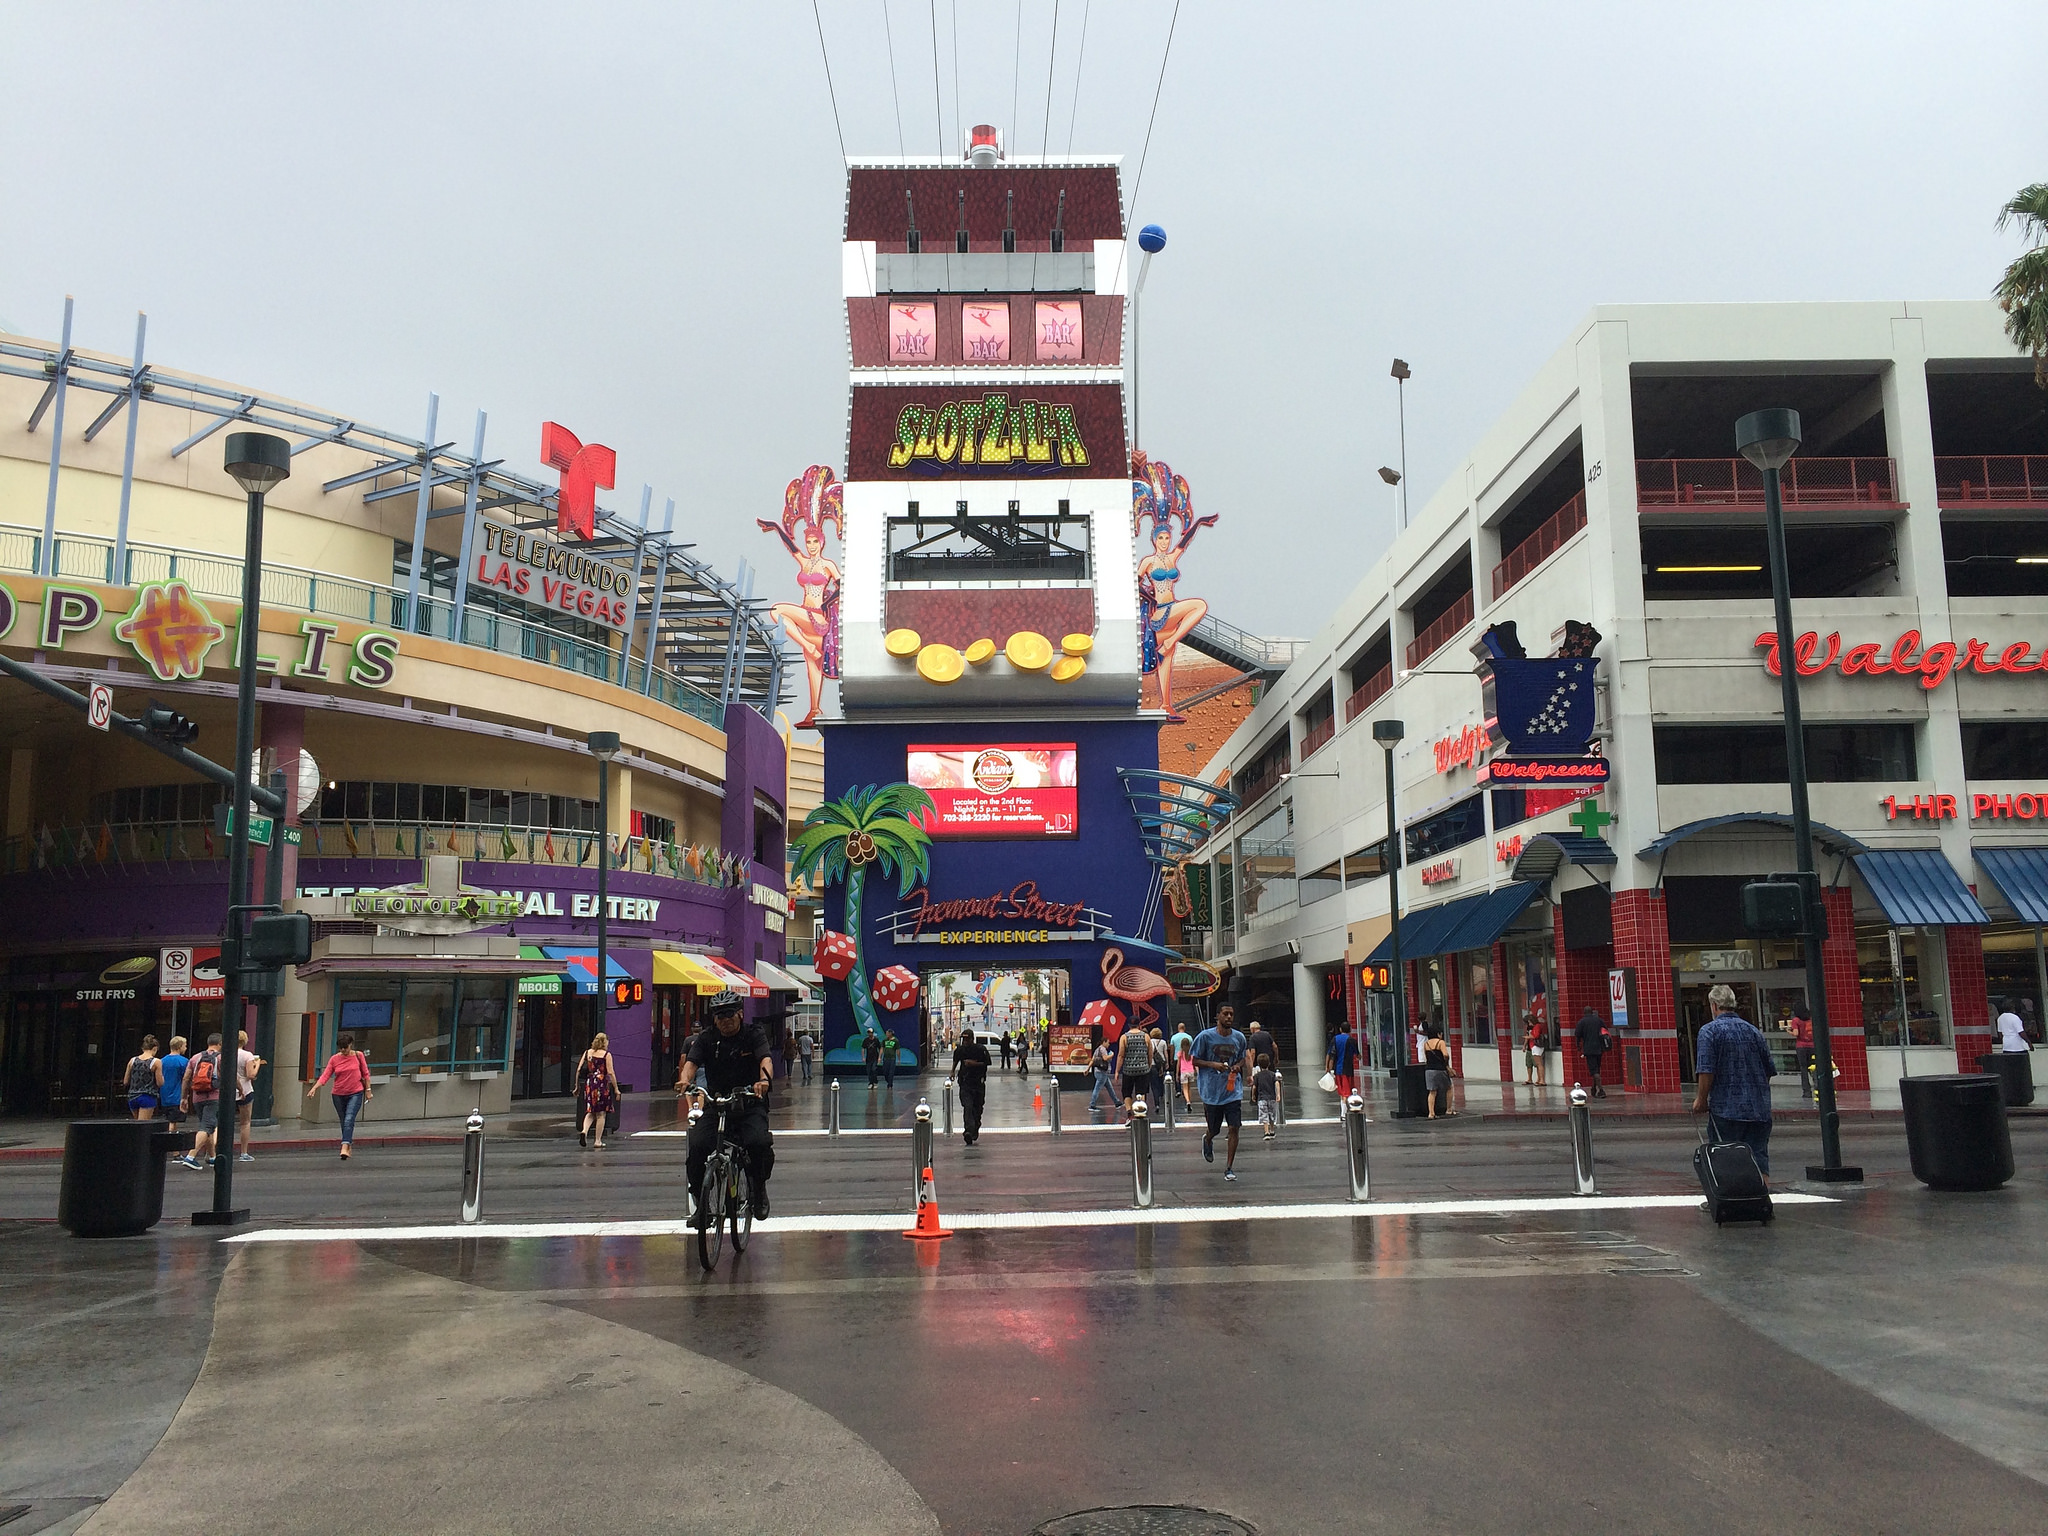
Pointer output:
x,y
984,146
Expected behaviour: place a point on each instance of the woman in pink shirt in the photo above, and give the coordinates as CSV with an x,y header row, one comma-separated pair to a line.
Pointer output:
x,y
349,1070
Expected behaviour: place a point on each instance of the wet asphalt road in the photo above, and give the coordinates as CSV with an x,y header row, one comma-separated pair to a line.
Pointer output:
x,y
1877,1364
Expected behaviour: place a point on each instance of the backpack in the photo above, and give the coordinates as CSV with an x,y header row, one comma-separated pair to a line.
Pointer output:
x,y
205,1074
1135,1063
141,1081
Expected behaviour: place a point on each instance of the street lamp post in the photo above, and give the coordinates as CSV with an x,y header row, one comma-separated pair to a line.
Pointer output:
x,y
1388,734
1768,439
604,746
1151,240
1401,375
256,461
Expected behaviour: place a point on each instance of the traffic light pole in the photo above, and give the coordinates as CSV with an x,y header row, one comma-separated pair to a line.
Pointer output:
x,y
135,730
264,1041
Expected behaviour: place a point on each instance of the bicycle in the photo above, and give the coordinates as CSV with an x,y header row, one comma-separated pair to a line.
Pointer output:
x,y
722,1200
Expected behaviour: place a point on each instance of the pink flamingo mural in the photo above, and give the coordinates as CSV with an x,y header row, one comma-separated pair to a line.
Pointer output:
x,y
1134,984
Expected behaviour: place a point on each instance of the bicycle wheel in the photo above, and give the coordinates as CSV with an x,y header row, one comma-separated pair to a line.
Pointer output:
x,y
711,1207
741,1210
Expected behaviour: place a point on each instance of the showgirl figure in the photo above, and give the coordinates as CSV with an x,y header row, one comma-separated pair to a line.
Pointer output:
x,y
813,499
1161,495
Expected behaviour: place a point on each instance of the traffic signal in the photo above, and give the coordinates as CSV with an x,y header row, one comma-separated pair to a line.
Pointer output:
x,y
625,994
168,724
1376,978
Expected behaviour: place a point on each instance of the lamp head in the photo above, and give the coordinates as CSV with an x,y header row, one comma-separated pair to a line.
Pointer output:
x,y
1387,732
1151,239
258,460
1400,369
604,745
1391,476
1768,438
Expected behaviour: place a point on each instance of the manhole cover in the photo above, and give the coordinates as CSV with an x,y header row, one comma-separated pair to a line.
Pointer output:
x,y
1146,1520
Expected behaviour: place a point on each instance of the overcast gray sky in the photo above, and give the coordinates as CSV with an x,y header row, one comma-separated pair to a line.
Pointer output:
x,y
624,218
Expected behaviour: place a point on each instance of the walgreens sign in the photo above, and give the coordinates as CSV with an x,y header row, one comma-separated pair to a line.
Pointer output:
x,y
1904,657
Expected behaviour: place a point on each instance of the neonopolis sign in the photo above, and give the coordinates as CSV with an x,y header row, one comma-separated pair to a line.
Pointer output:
x,y
1904,657
916,432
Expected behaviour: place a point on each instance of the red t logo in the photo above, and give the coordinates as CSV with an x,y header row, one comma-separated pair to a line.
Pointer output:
x,y
583,469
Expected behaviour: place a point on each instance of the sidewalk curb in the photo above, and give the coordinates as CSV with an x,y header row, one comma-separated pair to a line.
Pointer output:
x,y
297,1144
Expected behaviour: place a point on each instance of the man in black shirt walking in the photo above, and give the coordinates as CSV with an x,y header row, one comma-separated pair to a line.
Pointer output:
x,y
970,1067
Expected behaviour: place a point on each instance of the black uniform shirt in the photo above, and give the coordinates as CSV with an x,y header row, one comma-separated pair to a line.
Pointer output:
x,y
726,1063
970,1062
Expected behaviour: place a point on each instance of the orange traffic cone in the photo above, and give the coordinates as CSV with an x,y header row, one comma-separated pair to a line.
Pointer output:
x,y
928,1213
1037,1099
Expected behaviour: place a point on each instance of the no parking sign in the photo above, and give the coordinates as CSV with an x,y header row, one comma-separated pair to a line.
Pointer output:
x,y
193,973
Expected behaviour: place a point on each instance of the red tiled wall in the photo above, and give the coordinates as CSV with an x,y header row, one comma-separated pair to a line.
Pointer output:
x,y
1453,1013
1581,984
1845,991
1643,940
1504,1022
1969,1004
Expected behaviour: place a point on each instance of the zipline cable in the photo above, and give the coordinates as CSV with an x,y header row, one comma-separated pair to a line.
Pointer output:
x,y
889,35
830,93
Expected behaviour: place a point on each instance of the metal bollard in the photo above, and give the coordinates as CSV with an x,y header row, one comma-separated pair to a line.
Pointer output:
x,y
946,1105
1582,1143
1279,1098
1169,1096
1354,1147
920,1149
1052,1107
832,1120
473,1170
1141,1155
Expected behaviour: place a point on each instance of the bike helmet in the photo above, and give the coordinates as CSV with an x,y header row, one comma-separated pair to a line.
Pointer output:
x,y
727,1001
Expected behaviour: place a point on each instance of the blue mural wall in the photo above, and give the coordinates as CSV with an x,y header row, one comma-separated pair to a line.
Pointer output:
x,y
1105,865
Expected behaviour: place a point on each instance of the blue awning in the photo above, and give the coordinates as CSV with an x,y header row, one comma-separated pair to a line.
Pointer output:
x,y
1487,917
1828,837
1917,887
1543,855
2021,875
583,966
1470,922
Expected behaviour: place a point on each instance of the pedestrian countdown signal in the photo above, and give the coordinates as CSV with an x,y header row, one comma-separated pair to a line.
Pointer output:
x,y
625,994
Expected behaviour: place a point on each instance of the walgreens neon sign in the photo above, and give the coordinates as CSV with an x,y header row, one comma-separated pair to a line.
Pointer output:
x,y
1903,658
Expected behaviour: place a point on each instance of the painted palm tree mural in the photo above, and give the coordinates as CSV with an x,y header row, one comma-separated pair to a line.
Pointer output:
x,y
875,825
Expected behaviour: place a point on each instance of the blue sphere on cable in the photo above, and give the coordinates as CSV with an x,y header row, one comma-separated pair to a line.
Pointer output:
x,y
1151,239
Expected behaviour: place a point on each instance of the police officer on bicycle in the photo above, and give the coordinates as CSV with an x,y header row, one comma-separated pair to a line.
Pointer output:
x,y
733,1055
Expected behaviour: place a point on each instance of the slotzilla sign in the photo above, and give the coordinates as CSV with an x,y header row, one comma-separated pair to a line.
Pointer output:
x,y
913,432
1903,657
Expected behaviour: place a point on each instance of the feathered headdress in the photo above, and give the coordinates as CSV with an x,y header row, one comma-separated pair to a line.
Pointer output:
x,y
814,498
1159,494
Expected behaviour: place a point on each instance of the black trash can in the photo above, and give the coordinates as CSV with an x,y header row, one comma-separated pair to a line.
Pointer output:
x,y
114,1176
1956,1131
1413,1086
2015,1073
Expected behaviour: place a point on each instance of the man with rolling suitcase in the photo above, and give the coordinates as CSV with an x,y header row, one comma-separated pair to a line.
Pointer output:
x,y
1732,1064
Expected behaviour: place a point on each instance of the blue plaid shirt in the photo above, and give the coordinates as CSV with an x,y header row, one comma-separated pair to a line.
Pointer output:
x,y
1733,1049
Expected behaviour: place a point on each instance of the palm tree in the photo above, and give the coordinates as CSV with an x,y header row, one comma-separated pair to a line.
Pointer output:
x,y
841,838
2023,291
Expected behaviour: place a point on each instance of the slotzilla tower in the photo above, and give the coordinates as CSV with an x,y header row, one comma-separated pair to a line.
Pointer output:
x,y
987,638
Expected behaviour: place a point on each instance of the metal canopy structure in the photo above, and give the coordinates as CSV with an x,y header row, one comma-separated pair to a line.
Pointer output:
x,y
1176,812
696,639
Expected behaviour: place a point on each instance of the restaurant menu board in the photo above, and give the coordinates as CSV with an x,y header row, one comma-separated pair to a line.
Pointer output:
x,y
1003,789
1071,1045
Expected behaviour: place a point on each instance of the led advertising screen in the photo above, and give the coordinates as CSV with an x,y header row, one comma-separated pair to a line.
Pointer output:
x,y
999,789
948,431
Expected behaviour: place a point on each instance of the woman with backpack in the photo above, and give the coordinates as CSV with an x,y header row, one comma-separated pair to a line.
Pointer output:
x,y
598,1086
1133,1066
144,1080
348,1069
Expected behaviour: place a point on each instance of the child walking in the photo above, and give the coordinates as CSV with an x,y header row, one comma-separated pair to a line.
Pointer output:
x,y
1266,1088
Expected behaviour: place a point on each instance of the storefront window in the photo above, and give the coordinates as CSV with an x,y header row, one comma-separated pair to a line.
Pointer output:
x,y
1327,881
1923,971
480,1022
1267,866
1462,823
2012,974
428,1033
1432,993
1475,997
367,1007
1532,983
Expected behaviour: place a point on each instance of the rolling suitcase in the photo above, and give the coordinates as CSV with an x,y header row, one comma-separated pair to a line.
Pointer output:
x,y
1731,1181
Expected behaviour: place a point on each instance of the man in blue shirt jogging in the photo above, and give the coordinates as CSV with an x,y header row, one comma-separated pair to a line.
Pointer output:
x,y
1222,1067
1732,1064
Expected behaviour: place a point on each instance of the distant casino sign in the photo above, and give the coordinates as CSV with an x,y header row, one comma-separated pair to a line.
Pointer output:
x,y
953,432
